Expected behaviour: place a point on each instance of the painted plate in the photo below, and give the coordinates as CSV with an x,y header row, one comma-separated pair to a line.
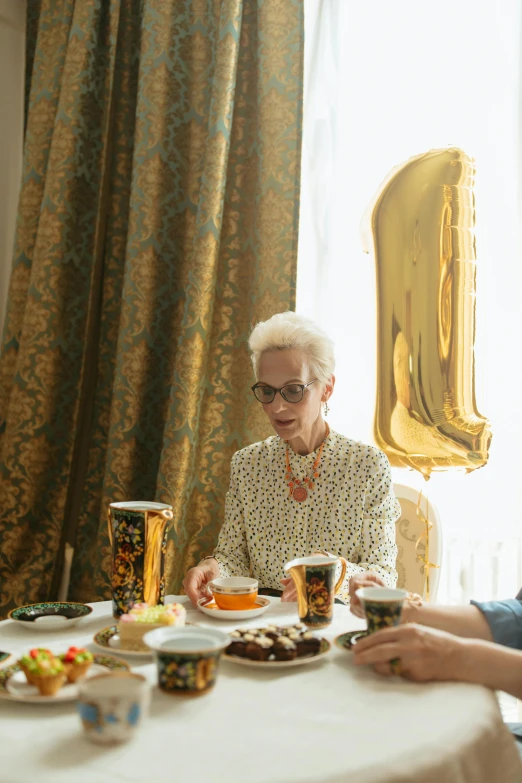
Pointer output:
x,y
346,640
323,650
4,657
49,616
14,686
212,610
109,639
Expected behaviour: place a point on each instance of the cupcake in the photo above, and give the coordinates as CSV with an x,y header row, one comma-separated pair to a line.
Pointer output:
x,y
76,661
285,649
259,648
308,644
271,632
238,645
46,672
26,661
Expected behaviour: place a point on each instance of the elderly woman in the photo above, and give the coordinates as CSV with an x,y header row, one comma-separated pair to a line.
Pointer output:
x,y
306,489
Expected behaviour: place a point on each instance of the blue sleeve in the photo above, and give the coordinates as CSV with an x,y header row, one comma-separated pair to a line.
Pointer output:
x,y
505,621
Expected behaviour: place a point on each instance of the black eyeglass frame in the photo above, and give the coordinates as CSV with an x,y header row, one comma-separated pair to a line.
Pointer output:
x,y
302,386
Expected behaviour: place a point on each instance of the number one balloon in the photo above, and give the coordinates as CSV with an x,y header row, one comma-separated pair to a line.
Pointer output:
x,y
421,225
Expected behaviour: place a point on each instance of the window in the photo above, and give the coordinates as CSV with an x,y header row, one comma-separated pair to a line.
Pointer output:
x,y
383,82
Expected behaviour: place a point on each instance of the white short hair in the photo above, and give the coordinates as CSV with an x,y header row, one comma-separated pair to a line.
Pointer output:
x,y
291,330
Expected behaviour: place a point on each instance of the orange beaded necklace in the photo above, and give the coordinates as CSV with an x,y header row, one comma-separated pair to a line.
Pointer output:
x,y
297,487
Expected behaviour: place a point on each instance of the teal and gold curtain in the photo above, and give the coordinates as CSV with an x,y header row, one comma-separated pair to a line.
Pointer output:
x,y
157,223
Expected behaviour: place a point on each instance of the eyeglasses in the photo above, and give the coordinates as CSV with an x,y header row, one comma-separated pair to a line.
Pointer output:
x,y
292,392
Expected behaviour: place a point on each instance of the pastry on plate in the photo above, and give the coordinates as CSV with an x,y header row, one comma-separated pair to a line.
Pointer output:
x,y
76,662
25,661
46,671
142,618
285,649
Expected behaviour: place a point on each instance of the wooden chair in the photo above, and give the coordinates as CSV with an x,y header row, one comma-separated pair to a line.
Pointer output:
x,y
413,575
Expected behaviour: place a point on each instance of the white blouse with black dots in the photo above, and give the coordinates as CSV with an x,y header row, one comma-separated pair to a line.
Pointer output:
x,y
351,511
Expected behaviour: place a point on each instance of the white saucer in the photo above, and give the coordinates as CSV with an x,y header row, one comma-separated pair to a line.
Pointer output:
x,y
212,610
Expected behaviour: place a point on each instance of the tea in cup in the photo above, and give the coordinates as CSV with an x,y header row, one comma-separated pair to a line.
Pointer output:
x,y
382,606
112,706
314,578
234,592
187,659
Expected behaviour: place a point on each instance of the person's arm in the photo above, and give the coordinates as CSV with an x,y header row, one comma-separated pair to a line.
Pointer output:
x,y
377,551
231,552
497,667
465,621
230,557
427,654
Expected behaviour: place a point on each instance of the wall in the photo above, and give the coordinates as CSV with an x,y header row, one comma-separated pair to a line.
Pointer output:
x,y
12,56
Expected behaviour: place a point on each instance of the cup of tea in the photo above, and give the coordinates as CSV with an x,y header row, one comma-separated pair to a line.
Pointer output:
x,y
234,592
382,606
187,658
111,706
314,578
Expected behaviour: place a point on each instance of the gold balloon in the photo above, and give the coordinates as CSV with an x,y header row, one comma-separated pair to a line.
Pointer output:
x,y
421,224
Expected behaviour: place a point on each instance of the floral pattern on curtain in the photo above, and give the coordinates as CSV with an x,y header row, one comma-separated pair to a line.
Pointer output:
x,y
157,223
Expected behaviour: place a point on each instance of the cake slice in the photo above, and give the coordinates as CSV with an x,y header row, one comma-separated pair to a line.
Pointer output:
x,y
142,618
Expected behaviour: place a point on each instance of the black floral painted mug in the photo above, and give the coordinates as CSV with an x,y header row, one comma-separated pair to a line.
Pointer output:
x,y
138,536
382,606
187,659
314,578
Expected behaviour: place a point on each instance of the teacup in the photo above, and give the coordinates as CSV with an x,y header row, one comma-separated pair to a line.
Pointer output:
x,y
234,592
187,658
382,606
112,705
314,578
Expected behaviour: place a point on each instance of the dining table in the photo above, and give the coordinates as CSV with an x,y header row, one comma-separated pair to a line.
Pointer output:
x,y
326,722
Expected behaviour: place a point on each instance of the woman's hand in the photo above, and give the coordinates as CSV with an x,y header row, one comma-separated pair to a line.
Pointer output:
x,y
369,579
424,653
197,579
289,590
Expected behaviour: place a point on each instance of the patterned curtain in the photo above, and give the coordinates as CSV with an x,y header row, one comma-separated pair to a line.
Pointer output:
x,y
157,223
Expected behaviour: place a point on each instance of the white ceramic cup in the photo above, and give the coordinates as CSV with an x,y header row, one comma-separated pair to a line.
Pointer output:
x,y
112,706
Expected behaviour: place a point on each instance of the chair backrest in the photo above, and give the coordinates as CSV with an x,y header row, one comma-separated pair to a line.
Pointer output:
x,y
411,543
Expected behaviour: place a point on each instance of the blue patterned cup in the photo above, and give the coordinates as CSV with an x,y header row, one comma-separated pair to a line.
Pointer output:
x,y
112,706
187,658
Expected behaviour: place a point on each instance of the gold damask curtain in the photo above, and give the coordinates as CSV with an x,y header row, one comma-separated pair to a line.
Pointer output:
x,y
157,222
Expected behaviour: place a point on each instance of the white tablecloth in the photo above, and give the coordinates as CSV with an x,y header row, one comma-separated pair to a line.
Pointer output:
x,y
323,723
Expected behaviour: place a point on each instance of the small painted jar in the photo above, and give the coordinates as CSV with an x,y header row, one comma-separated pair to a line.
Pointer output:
x,y
187,659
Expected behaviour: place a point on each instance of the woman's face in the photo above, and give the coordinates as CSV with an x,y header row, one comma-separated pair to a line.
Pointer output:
x,y
291,420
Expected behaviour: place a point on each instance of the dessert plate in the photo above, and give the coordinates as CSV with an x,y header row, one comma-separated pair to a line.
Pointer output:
x,y
346,640
210,608
14,686
323,650
49,616
109,639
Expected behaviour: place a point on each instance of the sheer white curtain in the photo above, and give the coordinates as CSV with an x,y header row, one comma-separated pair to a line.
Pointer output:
x,y
385,81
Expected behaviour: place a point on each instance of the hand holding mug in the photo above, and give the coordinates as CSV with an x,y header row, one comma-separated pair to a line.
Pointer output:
x,y
289,590
368,579
196,580
424,653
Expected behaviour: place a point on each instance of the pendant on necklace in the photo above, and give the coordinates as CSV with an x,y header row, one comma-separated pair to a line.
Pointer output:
x,y
300,494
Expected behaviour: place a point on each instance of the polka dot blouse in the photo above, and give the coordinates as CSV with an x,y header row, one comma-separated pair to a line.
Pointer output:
x,y
351,511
